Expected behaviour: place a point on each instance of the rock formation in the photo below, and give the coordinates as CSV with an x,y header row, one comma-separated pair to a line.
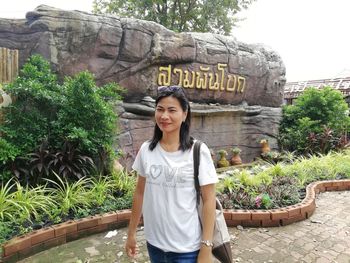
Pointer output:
x,y
236,88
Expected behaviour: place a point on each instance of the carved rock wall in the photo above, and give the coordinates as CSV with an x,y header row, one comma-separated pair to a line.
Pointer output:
x,y
132,53
221,127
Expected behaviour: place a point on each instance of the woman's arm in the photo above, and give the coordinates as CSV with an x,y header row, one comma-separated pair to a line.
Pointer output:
x,y
208,220
131,246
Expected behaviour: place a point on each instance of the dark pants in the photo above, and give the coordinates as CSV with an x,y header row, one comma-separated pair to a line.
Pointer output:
x,y
157,255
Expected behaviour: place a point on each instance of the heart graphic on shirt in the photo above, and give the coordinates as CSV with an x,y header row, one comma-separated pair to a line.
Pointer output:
x,y
155,171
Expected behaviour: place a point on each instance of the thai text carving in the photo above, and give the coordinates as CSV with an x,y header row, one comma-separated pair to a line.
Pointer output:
x,y
164,77
202,79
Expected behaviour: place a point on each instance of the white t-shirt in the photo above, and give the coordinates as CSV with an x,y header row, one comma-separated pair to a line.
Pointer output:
x,y
169,206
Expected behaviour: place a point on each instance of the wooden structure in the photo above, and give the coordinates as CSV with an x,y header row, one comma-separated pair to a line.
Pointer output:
x,y
8,72
8,65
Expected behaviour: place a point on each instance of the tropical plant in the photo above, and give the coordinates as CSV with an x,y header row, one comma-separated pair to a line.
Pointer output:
x,y
38,162
7,206
45,111
236,150
180,16
248,179
31,202
288,157
228,184
70,196
275,170
222,152
123,183
70,164
101,189
316,122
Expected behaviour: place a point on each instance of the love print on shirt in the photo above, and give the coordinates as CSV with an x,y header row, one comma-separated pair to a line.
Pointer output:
x,y
166,174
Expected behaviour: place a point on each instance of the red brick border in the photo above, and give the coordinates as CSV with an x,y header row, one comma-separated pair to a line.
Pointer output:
x,y
39,240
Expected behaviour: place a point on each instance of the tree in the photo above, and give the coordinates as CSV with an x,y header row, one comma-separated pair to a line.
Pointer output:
x,y
316,122
179,15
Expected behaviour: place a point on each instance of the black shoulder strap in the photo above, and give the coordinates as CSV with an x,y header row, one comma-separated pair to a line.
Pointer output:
x,y
196,161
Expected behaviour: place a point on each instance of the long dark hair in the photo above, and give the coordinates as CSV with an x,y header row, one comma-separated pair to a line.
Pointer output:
x,y
177,92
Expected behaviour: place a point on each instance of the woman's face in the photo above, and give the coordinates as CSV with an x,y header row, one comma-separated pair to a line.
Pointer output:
x,y
169,115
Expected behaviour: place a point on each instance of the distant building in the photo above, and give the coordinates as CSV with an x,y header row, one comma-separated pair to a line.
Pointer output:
x,y
293,89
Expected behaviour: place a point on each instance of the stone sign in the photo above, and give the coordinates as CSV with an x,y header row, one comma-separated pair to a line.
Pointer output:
x,y
236,89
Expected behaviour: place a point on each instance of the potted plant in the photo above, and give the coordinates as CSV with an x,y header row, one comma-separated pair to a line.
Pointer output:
x,y
236,158
223,161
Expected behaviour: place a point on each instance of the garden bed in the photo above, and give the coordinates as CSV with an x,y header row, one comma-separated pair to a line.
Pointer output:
x,y
23,246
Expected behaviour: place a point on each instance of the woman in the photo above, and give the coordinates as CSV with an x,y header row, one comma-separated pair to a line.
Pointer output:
x,y
165,191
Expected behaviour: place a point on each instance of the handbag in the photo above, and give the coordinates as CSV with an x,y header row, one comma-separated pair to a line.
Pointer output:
x,y
221,238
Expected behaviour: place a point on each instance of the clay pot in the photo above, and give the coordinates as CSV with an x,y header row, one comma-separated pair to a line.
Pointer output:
x,y
223,161
236,159
265,148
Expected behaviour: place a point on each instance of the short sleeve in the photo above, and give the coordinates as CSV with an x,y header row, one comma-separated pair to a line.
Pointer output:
x,y
138,164
207,172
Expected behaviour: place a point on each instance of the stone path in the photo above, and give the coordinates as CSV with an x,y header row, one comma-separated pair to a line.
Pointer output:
x,y
323,238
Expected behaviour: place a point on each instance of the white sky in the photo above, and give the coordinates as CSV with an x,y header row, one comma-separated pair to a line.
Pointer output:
x,y
310,35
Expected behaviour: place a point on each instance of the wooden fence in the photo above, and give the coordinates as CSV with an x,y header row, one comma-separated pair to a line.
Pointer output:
x,y
8,65
8,72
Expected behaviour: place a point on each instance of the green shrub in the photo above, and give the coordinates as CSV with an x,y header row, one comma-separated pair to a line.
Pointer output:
x,y
43,111
36,101
316,123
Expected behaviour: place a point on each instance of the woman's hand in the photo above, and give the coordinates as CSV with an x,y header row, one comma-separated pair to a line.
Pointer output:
x,y
131,246
205,255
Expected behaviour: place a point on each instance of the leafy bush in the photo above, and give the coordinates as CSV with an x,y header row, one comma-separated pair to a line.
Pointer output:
x,y
316,123
46,116
36,101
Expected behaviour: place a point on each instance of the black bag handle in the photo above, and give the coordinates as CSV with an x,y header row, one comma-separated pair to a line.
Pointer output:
x,y
196,161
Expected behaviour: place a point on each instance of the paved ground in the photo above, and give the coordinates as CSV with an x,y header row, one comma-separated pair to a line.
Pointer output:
x,y
325,237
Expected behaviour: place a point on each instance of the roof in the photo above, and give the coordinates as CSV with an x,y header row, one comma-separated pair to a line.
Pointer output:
x,y
293,89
